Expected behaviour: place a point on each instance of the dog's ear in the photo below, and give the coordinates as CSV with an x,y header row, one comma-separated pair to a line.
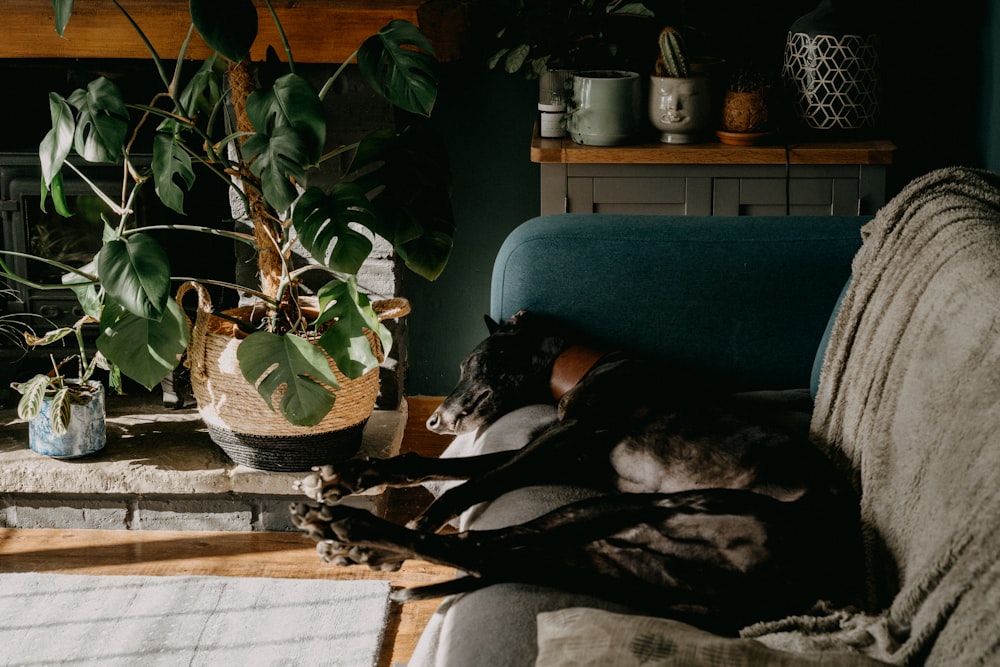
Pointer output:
x,y
491,324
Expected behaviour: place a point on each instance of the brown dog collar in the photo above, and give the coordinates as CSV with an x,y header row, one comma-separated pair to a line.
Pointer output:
x,y
570,367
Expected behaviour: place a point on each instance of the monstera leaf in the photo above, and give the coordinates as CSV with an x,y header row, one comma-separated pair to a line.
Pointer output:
x,y
290,133
408,173
135,271
349,313
322,221
170,164
399,64
228,26
145,350
102,121
58,142
271,362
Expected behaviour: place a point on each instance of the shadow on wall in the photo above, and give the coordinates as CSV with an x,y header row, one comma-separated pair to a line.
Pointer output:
x,y
486,118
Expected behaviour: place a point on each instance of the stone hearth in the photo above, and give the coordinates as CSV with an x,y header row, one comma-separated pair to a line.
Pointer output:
x,y
159,471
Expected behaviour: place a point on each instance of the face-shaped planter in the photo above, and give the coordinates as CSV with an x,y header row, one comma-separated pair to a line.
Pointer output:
x,y
681,109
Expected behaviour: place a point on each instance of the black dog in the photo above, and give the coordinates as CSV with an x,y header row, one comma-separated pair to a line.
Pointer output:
x,y
717,511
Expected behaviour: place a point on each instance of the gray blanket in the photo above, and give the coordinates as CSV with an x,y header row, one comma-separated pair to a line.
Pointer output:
x,y
909,402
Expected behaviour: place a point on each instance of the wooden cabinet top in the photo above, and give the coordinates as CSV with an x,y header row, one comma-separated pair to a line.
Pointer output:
x,y
566,151
321,31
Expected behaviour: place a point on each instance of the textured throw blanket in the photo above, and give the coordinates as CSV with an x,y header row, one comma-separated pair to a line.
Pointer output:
x,y
909,402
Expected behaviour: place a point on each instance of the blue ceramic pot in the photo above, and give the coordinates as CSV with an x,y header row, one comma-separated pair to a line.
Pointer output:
x,y
86,433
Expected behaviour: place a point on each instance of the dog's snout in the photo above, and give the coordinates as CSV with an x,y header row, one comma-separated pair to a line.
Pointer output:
x,y
441,421
434,422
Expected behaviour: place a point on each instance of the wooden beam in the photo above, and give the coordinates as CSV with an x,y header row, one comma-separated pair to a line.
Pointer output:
x,y
319,31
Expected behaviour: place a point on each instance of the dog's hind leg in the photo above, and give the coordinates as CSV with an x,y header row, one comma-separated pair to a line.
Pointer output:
x,y
330,483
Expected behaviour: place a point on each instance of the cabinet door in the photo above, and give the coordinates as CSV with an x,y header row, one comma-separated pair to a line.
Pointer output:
x,y
638,189
778,196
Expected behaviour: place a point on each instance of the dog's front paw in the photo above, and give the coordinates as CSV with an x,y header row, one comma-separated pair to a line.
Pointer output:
x,y
340,553
333,530
328,484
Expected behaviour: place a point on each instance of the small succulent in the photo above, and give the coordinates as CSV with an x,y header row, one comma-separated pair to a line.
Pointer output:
x,y
673,58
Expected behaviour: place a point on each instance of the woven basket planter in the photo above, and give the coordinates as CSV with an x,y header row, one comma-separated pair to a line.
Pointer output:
x,y
242,424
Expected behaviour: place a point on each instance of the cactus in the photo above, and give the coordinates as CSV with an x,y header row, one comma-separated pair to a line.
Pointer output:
x,y
672,61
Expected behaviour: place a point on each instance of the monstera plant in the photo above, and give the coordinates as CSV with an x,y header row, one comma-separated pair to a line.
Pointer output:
x,y
274,139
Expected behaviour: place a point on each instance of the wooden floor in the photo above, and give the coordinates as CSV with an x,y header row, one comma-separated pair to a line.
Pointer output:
x,y
281,555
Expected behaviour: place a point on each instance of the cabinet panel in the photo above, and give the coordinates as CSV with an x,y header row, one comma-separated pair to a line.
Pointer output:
x,y
822,179
645,190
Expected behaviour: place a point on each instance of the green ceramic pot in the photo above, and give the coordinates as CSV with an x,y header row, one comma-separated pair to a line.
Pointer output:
x,y
606,109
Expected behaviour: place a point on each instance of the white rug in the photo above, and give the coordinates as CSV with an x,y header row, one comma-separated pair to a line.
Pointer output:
x,y
53,619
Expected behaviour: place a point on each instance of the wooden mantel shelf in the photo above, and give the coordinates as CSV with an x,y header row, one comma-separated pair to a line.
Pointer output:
x,y
319,31
565,151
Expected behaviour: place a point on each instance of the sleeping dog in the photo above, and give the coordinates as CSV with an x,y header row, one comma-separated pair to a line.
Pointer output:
x,y
714,509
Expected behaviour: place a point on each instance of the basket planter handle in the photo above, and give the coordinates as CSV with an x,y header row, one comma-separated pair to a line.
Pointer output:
x,y
391,309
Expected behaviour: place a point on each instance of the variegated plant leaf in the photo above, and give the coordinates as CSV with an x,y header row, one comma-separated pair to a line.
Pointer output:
x,y
32,396
61,410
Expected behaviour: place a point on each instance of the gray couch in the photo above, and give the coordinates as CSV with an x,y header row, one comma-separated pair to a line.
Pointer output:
x,y
897,340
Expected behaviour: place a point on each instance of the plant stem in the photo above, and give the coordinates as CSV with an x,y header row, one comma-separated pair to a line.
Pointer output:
x,y
281,33
333,78
269,259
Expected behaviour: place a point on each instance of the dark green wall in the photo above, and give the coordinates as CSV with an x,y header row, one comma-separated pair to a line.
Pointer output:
x,y
487,119
930,112
990,121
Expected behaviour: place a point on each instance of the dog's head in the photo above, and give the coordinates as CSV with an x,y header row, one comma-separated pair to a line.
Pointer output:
x,y
508,370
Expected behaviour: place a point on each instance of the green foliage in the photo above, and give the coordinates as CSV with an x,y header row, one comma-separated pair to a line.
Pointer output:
x,y
228,26
55,388
346,312
536,35
127,285
271,362
323,219
144,349
407,77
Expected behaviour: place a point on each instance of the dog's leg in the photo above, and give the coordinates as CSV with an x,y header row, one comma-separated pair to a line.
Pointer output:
x,y
567,453
330,483
351,536
710,554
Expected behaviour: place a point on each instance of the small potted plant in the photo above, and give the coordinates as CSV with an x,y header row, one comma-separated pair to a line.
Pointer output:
x,y
65,413
680,99
295,349
746,108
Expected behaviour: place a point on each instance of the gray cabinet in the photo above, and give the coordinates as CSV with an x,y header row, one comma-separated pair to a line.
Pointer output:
x,y
712,179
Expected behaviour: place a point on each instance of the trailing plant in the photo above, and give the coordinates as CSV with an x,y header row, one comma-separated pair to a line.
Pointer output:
x,y
539,35
673,59
396,188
